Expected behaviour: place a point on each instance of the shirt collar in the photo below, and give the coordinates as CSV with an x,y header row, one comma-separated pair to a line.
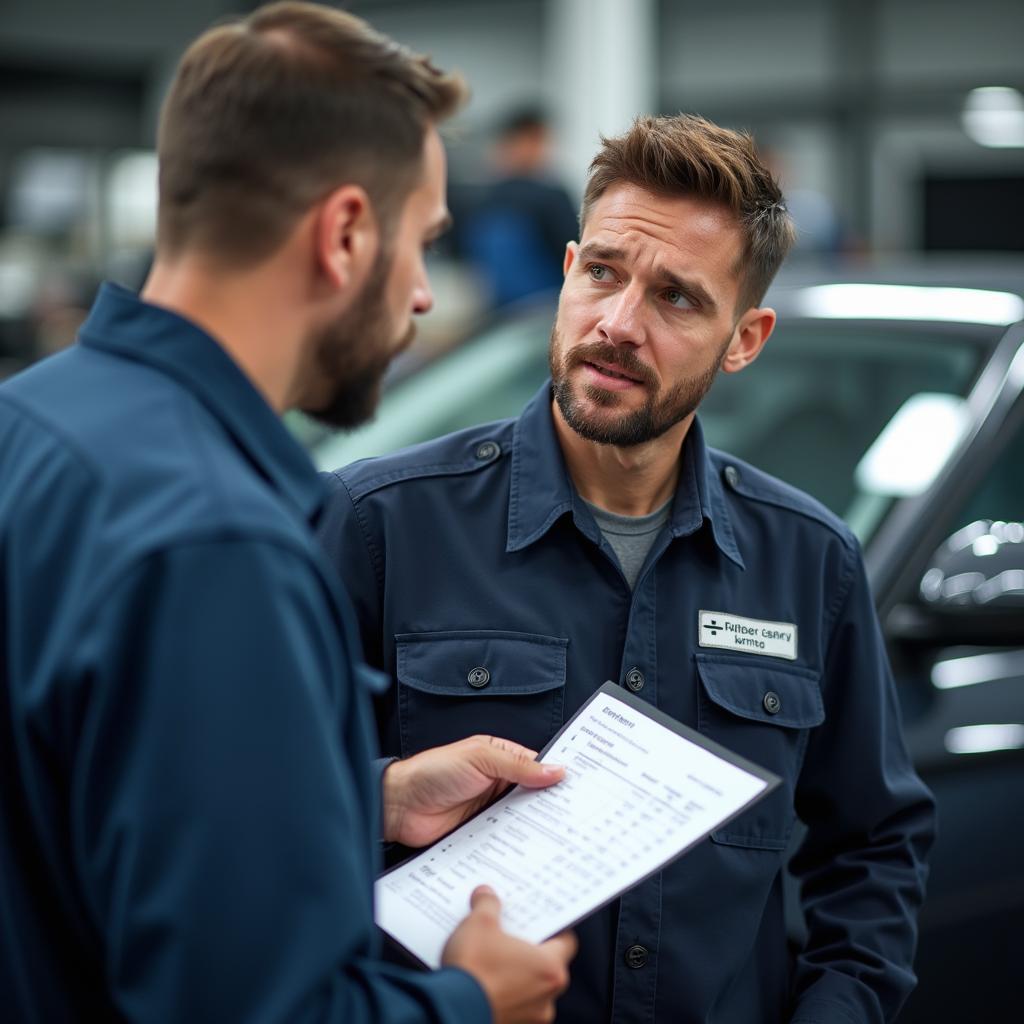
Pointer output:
x,y
122,324
541,490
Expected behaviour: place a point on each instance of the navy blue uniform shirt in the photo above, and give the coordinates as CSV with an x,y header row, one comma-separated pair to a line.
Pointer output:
x,y
474,551
188,812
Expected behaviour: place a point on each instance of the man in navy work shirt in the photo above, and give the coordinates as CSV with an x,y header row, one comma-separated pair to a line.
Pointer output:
x,y
188,808
502,573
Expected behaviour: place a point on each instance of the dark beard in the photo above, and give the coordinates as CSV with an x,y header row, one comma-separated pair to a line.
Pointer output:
x,y
353,354
645,424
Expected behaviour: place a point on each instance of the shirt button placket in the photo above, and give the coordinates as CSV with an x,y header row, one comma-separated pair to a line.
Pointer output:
x,y
636,971
636,948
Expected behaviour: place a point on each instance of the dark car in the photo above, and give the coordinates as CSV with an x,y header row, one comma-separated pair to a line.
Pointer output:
x,y
895,397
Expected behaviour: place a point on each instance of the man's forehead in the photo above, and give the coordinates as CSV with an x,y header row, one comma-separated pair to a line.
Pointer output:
x,y
627,208
430,196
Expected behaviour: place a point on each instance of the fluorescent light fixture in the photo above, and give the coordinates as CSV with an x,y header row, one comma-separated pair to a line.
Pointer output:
x,y
910,302
131,199
984,739
953,673
18,281
994,116
914,445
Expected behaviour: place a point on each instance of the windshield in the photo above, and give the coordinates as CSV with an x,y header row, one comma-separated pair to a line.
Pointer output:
x,y
819,396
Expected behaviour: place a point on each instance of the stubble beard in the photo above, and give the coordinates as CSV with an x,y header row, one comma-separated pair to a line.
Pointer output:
x,y
637,426
352,355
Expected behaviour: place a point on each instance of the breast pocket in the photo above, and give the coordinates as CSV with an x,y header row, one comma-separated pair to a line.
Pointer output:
x,y
454,684
764,712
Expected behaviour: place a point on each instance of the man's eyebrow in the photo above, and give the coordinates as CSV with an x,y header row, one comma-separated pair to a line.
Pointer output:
x,y
691,289
596,251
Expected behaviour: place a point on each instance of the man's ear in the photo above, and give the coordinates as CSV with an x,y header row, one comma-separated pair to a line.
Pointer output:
x,y
752,331
571,249
346,237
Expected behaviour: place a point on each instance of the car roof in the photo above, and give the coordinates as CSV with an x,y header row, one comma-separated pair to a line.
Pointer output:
x,y
978,297
988,271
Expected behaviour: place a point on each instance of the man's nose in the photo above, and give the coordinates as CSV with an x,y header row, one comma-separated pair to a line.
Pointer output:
x,y
621,321
422,295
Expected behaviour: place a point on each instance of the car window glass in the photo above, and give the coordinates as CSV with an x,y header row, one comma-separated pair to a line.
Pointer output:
x,y
1001,493
819,395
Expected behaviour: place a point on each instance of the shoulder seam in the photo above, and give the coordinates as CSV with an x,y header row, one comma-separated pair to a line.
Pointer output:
x,y
217,533
70,444
375,559
825,518
842,594
401,467
838,528
397,476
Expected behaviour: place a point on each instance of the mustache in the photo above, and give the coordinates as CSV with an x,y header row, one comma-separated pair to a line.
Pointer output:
x,y
621,359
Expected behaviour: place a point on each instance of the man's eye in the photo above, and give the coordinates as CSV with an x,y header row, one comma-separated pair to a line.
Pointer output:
x,y
678,299
598,272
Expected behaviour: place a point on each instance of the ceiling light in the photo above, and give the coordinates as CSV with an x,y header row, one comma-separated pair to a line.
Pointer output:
x,y
994,116
984,739
909,302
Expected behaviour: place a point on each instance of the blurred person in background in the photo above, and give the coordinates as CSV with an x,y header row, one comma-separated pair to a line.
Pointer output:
x,y
515,232
597,537
188,802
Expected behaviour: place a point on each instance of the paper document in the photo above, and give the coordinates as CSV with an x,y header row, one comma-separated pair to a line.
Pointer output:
x,y
639,790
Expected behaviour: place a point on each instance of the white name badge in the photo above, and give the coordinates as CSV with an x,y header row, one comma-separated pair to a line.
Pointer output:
x,y
751,636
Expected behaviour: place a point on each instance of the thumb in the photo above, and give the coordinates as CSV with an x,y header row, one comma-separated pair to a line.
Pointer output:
x,y
513,763
484,900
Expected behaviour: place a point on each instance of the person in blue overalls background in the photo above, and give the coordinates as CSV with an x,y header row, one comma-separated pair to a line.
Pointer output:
x,y
515,229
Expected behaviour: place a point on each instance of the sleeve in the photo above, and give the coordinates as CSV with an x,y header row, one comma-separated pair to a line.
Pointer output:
x,y
345,536
221,819
871,824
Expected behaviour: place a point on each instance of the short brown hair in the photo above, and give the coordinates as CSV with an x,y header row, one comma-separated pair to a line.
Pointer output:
x,y
269,114
688,155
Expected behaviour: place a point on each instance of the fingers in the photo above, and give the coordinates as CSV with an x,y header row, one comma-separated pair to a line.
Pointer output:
x,y
563,945
506,760
484,900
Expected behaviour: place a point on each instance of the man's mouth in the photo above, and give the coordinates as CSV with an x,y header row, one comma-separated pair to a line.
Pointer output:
x,y
612,372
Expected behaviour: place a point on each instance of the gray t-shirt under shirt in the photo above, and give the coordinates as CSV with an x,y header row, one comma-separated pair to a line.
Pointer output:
x,y
630,537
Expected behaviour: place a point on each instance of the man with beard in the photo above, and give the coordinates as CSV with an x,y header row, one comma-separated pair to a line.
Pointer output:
x,y
503,573
188,804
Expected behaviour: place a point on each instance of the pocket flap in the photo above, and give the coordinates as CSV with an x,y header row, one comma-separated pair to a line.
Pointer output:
x,y
480,662
788,697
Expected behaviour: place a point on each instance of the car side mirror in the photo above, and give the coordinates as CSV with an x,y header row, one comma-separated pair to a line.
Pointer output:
x,y
980,567
973,589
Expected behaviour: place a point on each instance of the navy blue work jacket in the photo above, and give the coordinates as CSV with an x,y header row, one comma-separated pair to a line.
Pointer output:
x,y
474,551
188,807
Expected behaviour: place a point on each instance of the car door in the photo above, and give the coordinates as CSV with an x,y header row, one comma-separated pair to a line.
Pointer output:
x,y
954,620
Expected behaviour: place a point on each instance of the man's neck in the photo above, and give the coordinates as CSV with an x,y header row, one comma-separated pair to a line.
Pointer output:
x,y
629,481
248,313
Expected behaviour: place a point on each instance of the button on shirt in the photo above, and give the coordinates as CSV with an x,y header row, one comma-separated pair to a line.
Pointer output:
x,y
454,564
188,812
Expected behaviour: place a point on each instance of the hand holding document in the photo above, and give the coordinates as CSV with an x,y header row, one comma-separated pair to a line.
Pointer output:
x,y
640,789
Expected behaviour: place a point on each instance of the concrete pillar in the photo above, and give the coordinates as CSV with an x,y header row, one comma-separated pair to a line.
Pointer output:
x,y
601,63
